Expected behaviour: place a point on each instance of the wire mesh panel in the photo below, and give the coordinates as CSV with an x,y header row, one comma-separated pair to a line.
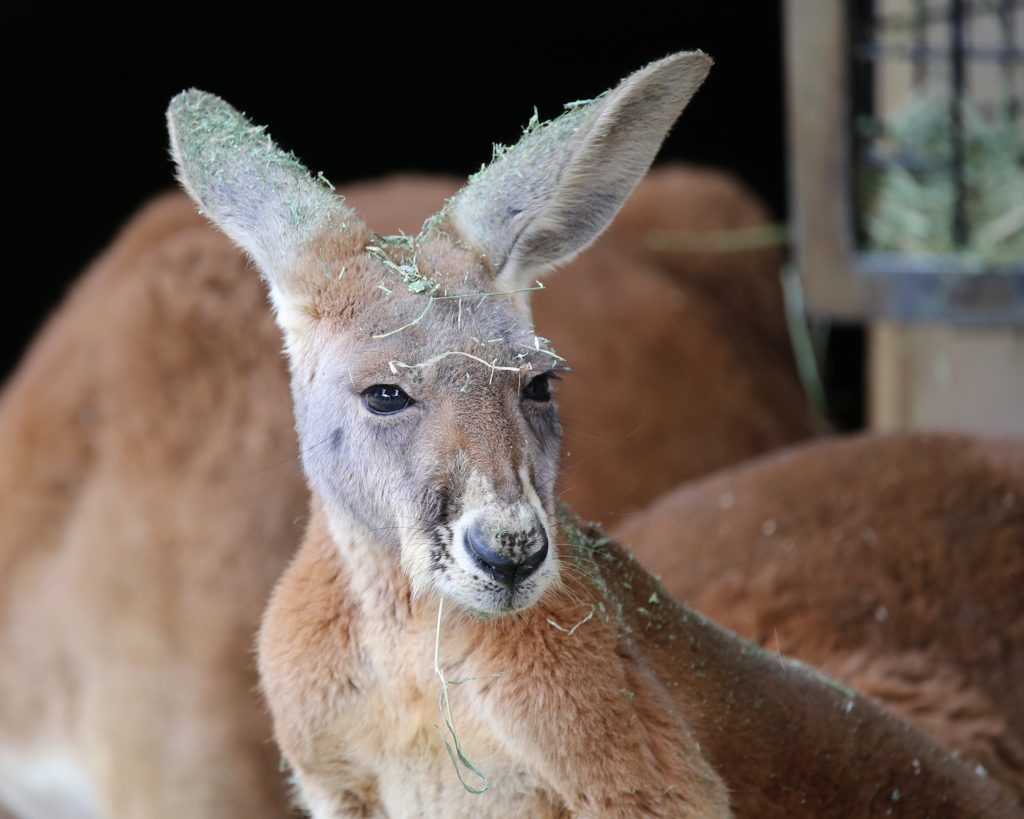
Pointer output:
x,y
940,149
906,126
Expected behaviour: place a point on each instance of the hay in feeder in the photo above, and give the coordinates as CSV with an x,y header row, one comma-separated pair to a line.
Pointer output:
x,y
910,205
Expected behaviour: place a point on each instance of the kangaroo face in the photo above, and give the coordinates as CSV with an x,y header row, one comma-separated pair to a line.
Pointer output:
x,y
440,440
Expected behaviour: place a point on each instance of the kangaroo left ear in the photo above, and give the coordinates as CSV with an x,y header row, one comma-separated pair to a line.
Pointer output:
x,y
547,198
259,195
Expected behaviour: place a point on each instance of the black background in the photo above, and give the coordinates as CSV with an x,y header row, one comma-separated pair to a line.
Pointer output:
x,y
355,91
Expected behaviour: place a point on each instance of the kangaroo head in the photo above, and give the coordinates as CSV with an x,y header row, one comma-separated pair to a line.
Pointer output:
x,y
423,399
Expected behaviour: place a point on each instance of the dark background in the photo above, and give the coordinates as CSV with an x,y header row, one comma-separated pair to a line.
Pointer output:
x,y
355,92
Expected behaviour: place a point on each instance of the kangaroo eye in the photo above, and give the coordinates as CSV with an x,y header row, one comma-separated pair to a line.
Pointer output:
x,y
539,387
386,399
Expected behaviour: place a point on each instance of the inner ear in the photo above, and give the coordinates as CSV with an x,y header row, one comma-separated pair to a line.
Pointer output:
x,y
261,197
542,201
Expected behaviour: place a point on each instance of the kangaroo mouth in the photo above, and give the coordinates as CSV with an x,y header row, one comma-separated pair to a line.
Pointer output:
x,y
493,561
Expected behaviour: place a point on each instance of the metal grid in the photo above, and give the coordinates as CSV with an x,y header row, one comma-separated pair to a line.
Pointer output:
x,y
937,132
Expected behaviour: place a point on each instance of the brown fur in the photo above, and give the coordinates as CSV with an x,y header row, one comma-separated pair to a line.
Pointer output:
x,y
135,436
896,563
179,374
659,680
69,401
157,388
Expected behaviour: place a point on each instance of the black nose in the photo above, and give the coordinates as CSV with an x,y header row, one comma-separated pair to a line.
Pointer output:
x,y
501,568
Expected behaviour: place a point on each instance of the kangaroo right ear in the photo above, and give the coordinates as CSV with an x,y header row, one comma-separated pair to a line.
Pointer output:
x,y
548,197
262,197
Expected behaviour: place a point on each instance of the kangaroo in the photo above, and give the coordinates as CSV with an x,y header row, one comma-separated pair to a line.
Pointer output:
x,y
435,553
150,495
895,562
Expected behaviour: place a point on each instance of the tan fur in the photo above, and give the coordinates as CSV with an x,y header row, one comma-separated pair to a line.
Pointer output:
x,y
88,415
895,562
143,270
133,563
678,682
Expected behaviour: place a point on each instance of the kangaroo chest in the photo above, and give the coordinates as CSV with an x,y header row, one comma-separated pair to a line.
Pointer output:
x,y
385,744
347,657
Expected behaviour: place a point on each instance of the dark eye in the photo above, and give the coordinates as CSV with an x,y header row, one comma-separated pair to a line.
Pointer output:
x,y
539,388
385,399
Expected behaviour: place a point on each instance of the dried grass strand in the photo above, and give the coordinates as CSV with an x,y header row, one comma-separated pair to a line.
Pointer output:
x,y
445,707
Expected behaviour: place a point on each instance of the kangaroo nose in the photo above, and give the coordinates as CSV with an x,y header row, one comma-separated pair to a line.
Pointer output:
x,y
504,569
